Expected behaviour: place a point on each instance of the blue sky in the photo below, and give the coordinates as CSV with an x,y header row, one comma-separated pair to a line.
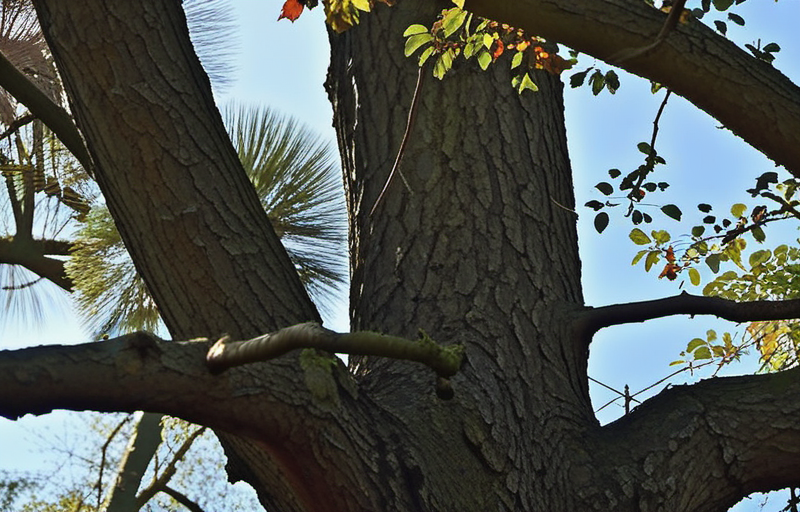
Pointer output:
x,y
283,65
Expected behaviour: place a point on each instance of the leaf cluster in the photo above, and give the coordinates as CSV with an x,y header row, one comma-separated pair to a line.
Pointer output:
x,y
458,33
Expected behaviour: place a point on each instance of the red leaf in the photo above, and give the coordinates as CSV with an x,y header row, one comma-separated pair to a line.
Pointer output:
x,y
498,49
292,10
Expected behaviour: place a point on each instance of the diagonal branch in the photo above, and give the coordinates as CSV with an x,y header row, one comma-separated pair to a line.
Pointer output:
x,y
592,320
54,116
751,98
741,434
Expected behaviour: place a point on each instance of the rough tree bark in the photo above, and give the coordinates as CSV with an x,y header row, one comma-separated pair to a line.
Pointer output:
x,y
483,252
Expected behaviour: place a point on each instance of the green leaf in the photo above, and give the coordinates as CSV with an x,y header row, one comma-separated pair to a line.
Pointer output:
x,y
694,344
639,237
703,207
598,82
722,5
484,59
638,257
645,148
698,231
758,234
702,353
652,258
738,210
414,30
423,57
660,236
672,211
577,79
759,257
772,48
527,83
614,173
595,205
605,188
694,276
453,20
721,26
443,64
601,222
675,363
736,19
612,81
711,335
516,60
713,262
414,42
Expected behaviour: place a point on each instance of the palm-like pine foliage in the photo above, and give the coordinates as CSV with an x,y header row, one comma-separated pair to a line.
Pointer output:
x,y
297,181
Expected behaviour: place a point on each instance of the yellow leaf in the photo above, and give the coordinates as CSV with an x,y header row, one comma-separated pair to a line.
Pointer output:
x,y
459,3
362,4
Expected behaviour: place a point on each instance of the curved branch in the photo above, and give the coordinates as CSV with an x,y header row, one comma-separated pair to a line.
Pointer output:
x,y
445,360
55,117
592,320
704,446
751,98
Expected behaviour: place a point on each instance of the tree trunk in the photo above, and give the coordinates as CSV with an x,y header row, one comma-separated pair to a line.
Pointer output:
x,y
483,252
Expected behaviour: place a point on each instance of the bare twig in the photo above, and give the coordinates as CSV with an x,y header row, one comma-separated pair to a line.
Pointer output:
x,y
412,114
103,451
669,25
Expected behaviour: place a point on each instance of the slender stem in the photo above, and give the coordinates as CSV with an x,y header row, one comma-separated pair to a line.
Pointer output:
x,y
412,114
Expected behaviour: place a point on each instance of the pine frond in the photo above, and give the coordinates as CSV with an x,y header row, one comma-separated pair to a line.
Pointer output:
x,y
111,295
298,181
214,34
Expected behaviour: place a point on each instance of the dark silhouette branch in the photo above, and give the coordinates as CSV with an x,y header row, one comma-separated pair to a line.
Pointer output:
x,y
182,499
592,320
54,116
160,484
445,360
741,434
689,61
32,254
17,124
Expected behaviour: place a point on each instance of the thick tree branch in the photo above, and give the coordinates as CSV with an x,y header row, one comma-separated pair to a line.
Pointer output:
x,y
55,117
139,371
750,97
31,254
444,360
741,434
592,320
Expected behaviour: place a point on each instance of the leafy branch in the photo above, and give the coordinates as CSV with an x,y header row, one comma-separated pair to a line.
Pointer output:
x,y
592,320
